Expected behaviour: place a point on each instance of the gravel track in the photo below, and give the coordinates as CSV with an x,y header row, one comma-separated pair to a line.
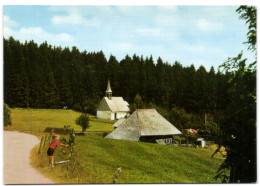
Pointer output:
x,y
17,169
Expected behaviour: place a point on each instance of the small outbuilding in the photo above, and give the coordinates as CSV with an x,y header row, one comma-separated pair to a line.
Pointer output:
x,y
203,142
145,125
112,107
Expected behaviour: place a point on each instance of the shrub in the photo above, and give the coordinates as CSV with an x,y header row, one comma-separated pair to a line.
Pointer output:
x,y
7,115
83,121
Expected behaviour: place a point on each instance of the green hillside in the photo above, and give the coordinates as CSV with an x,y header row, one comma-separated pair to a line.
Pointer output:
x,y
22,120
99,158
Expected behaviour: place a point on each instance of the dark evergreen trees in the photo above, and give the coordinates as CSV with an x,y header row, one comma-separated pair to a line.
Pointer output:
x,y
45,76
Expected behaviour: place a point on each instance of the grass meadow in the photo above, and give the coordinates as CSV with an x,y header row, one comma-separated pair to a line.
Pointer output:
x,y
35,121
98,158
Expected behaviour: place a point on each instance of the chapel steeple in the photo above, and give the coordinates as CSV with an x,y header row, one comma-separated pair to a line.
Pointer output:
x,y
108,91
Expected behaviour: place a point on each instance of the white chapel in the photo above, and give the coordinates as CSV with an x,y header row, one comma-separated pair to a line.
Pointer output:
x,y
112,107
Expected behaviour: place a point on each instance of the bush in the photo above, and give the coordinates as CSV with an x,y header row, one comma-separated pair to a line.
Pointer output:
x,y
7,115
190,138
179,139
83,121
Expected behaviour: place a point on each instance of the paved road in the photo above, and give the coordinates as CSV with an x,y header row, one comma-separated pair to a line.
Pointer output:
x,y
17,169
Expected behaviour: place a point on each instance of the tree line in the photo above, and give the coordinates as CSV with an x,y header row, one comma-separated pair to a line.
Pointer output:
x,y
46,76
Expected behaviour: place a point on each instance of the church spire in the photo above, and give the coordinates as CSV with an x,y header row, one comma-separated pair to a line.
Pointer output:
x,y
108,91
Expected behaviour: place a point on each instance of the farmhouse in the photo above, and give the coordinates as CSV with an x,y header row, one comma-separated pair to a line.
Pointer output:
x,y
145,125
112,107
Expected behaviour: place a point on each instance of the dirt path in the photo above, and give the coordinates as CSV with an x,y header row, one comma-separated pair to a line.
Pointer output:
x,y
17,169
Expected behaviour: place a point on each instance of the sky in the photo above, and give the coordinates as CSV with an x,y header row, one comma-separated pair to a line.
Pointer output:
x,y
199,35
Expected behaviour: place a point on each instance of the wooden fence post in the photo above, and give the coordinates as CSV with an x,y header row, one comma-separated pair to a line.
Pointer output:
x,y
40,145
118,171
44,140
51,135
74,164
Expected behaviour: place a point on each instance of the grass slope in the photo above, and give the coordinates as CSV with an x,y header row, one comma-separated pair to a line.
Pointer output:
x,y
99,158
42,118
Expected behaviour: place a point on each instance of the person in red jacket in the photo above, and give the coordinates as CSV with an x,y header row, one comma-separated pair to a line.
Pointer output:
x,y
52,147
